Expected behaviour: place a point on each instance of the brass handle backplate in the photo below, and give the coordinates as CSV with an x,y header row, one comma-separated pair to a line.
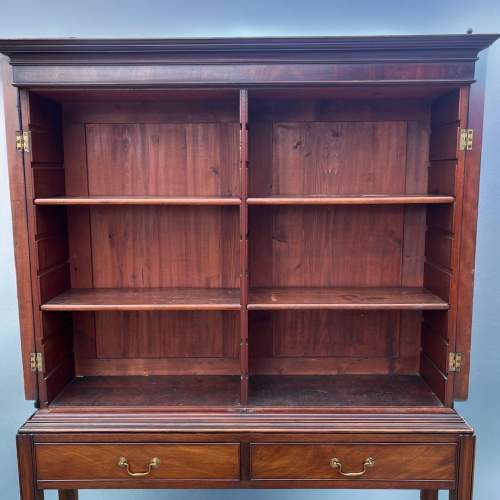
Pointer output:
x,y
335,463
154,463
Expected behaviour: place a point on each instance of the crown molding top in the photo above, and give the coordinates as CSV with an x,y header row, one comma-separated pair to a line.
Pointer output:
x,y
475,42
466,47
442,59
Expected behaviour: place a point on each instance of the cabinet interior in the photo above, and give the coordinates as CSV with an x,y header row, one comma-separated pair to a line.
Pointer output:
x,y
172,226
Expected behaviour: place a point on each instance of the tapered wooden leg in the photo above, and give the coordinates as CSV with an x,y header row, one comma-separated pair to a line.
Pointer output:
x,y
68,494
429,494
27,480
465,477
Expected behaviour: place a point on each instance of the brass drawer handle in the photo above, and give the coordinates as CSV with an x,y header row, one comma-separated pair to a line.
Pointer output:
x,y
153,464
335,463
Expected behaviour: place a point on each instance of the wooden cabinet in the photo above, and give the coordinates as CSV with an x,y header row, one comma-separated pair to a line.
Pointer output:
x,y
245,263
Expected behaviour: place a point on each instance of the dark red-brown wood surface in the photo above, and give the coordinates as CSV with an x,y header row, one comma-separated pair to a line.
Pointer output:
x,y
48,243
324,200
441,273
245,257
18,200
470,202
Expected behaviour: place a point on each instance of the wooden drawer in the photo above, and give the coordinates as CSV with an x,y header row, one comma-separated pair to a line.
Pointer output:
x,y
380,461
93,461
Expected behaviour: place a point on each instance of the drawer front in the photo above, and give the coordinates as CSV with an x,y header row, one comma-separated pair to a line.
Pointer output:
x,y
58,461
364,461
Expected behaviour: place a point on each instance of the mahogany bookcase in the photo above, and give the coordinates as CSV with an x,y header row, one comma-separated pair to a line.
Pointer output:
x,y
245,263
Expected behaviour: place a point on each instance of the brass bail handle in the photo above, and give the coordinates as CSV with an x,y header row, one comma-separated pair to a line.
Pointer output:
x,y
154,463
335,463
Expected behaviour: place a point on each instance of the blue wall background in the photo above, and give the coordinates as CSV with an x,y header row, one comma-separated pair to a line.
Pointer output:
x,y
186,18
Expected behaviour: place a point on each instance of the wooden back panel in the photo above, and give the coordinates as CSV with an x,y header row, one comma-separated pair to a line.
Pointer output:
x,y
162,158
185,147
318,146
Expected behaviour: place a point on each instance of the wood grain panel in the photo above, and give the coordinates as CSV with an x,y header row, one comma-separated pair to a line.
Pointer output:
x,y
134,391
49,220
53,282
154,200
442,177
58,378
320,246
441,217
334,342
444,140
56,349
84,336
336,366
434,377
404,199
446,108
99,461
215,73
341,390
46,146
166,335
392,461
48,180
436,348
165,247
438,248
363,298
151,106
55,324
470,203
52,250
147,367
437,280
44,172
335,334
336,104
144,299
339,158
163,159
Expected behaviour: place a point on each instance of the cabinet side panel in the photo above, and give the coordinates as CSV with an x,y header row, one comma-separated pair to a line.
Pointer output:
x,y
20,230
468,233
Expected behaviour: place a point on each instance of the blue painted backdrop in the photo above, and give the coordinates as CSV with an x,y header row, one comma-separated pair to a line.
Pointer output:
x,y
186,18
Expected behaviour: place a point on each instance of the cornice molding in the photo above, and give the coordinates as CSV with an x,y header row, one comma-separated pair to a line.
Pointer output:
x,y
245,61
268,49
268,44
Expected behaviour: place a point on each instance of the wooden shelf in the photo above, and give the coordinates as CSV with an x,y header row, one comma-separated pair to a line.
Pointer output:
x,y
166,390
344,298
404,199
138,200
341,390
146,299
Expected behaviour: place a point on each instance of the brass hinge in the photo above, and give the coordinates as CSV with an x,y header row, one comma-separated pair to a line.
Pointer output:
x,y
23,141
36,361
466,139
454,361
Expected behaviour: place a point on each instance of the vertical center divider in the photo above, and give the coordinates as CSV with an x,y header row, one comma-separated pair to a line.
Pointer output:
x,y
244,246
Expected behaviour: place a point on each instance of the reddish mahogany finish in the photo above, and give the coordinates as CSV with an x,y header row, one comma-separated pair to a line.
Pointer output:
x,y
245,258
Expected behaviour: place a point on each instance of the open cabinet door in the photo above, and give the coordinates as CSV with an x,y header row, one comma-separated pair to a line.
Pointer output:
x,y
15,161
445,233
451,237
470,200
47,240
